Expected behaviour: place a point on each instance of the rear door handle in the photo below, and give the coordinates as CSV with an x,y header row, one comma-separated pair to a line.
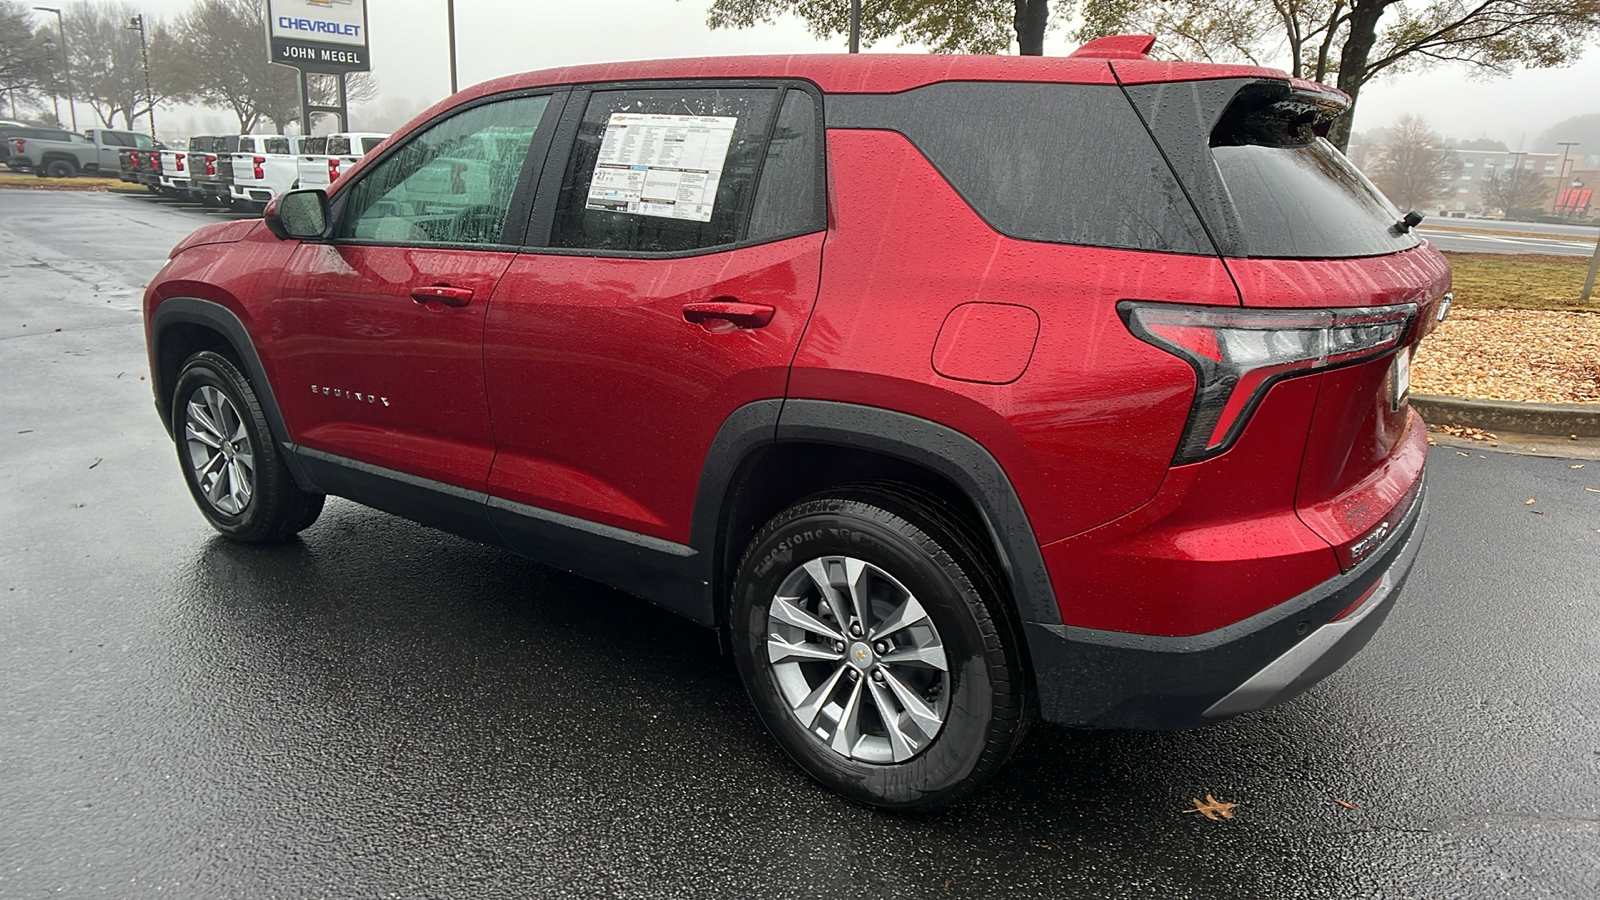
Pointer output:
x,y
449,296
744,315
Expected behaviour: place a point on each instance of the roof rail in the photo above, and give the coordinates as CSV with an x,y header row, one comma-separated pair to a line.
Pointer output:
x,y
1116,46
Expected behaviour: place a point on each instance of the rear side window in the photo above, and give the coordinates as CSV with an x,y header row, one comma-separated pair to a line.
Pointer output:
x,y
114,139
1064,163
664,170
279,145
789,197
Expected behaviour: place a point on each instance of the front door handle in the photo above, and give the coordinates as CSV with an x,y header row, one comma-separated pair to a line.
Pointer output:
x,y
744,315
444,293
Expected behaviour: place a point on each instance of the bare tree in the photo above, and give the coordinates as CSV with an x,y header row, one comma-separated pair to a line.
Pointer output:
x,y
25,63
948,26
1516,189
1413,167
107,66
1342,40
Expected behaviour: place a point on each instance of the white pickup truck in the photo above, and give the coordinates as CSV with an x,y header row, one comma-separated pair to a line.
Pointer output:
x,y
320,164
172,174
264,166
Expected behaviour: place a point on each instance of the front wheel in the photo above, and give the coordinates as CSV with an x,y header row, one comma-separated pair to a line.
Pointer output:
x,y
230,461
868,629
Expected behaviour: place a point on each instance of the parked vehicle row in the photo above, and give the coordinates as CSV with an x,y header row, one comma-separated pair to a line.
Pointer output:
x,y
244,170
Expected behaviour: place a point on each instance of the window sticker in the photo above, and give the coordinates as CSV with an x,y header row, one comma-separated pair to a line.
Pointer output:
x,y
657,165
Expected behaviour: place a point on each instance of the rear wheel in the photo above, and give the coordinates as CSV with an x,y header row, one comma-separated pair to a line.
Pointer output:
x,y
230,461
60,168
868,629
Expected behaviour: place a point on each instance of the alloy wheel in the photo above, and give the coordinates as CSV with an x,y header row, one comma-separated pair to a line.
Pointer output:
x,y
858,660
219,448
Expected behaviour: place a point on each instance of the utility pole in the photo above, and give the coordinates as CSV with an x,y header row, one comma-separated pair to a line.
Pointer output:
x,y
66,63
855,26
1561,171
137,24
1594,268
450,9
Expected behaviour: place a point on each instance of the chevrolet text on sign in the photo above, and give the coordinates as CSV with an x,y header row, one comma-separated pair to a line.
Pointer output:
x,y
319,35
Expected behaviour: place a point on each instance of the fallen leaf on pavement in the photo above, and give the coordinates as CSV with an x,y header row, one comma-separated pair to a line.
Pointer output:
x,y
1529,503
97,461
1593,490
1345,803
1213,808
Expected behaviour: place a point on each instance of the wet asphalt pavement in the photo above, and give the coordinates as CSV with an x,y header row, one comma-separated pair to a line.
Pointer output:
x,y
381,710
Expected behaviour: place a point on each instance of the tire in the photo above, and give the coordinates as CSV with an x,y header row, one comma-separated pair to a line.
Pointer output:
x,y
937,654
230,461
60,168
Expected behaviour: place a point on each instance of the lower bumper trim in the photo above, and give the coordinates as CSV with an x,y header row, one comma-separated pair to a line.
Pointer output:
x,y
1116,680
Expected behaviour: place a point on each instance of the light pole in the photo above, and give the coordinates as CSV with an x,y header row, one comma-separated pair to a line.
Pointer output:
x,y
1561,170
137,24
450,9
855,26
66,63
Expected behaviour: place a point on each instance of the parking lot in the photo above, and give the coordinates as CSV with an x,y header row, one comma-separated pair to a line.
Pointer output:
x,y
379,709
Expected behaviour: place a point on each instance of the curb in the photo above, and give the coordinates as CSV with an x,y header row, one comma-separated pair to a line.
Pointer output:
x,y
1551,419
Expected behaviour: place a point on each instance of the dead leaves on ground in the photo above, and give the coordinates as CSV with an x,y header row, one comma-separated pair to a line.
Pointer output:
x,y
1213,808
1542,356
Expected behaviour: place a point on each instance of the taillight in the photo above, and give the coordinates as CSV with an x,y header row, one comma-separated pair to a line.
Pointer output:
x,y
20,144
133,158
257,161
180,158
211,164
333,169
1237,354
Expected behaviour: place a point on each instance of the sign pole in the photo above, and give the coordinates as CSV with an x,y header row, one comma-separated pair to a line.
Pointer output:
x,y
1594,267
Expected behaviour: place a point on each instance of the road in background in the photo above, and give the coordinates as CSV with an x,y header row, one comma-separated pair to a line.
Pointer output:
x,y
1460,242
379,709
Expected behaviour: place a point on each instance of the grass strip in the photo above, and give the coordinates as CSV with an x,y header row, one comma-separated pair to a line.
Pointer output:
x,y
1520,281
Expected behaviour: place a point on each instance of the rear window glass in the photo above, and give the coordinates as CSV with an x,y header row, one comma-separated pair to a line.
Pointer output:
x,y
1265,184
1064,163
1307,201
313,146
275,145
338,145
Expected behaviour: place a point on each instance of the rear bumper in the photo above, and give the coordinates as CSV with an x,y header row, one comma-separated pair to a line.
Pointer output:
x,y
1088,677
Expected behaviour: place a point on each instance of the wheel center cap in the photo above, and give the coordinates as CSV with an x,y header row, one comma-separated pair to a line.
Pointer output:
x,y
860,655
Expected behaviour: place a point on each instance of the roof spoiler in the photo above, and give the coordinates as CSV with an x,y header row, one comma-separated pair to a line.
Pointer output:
x,y
1116,46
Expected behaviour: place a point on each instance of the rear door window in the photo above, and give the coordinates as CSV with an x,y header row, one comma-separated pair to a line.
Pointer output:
x,y
664,169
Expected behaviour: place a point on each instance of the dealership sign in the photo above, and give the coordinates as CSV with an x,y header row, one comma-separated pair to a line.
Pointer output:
x,y
319,35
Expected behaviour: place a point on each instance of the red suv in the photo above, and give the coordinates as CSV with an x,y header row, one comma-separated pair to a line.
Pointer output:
x,y
953,391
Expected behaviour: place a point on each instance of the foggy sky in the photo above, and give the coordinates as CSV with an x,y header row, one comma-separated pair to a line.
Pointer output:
x,y
498,37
